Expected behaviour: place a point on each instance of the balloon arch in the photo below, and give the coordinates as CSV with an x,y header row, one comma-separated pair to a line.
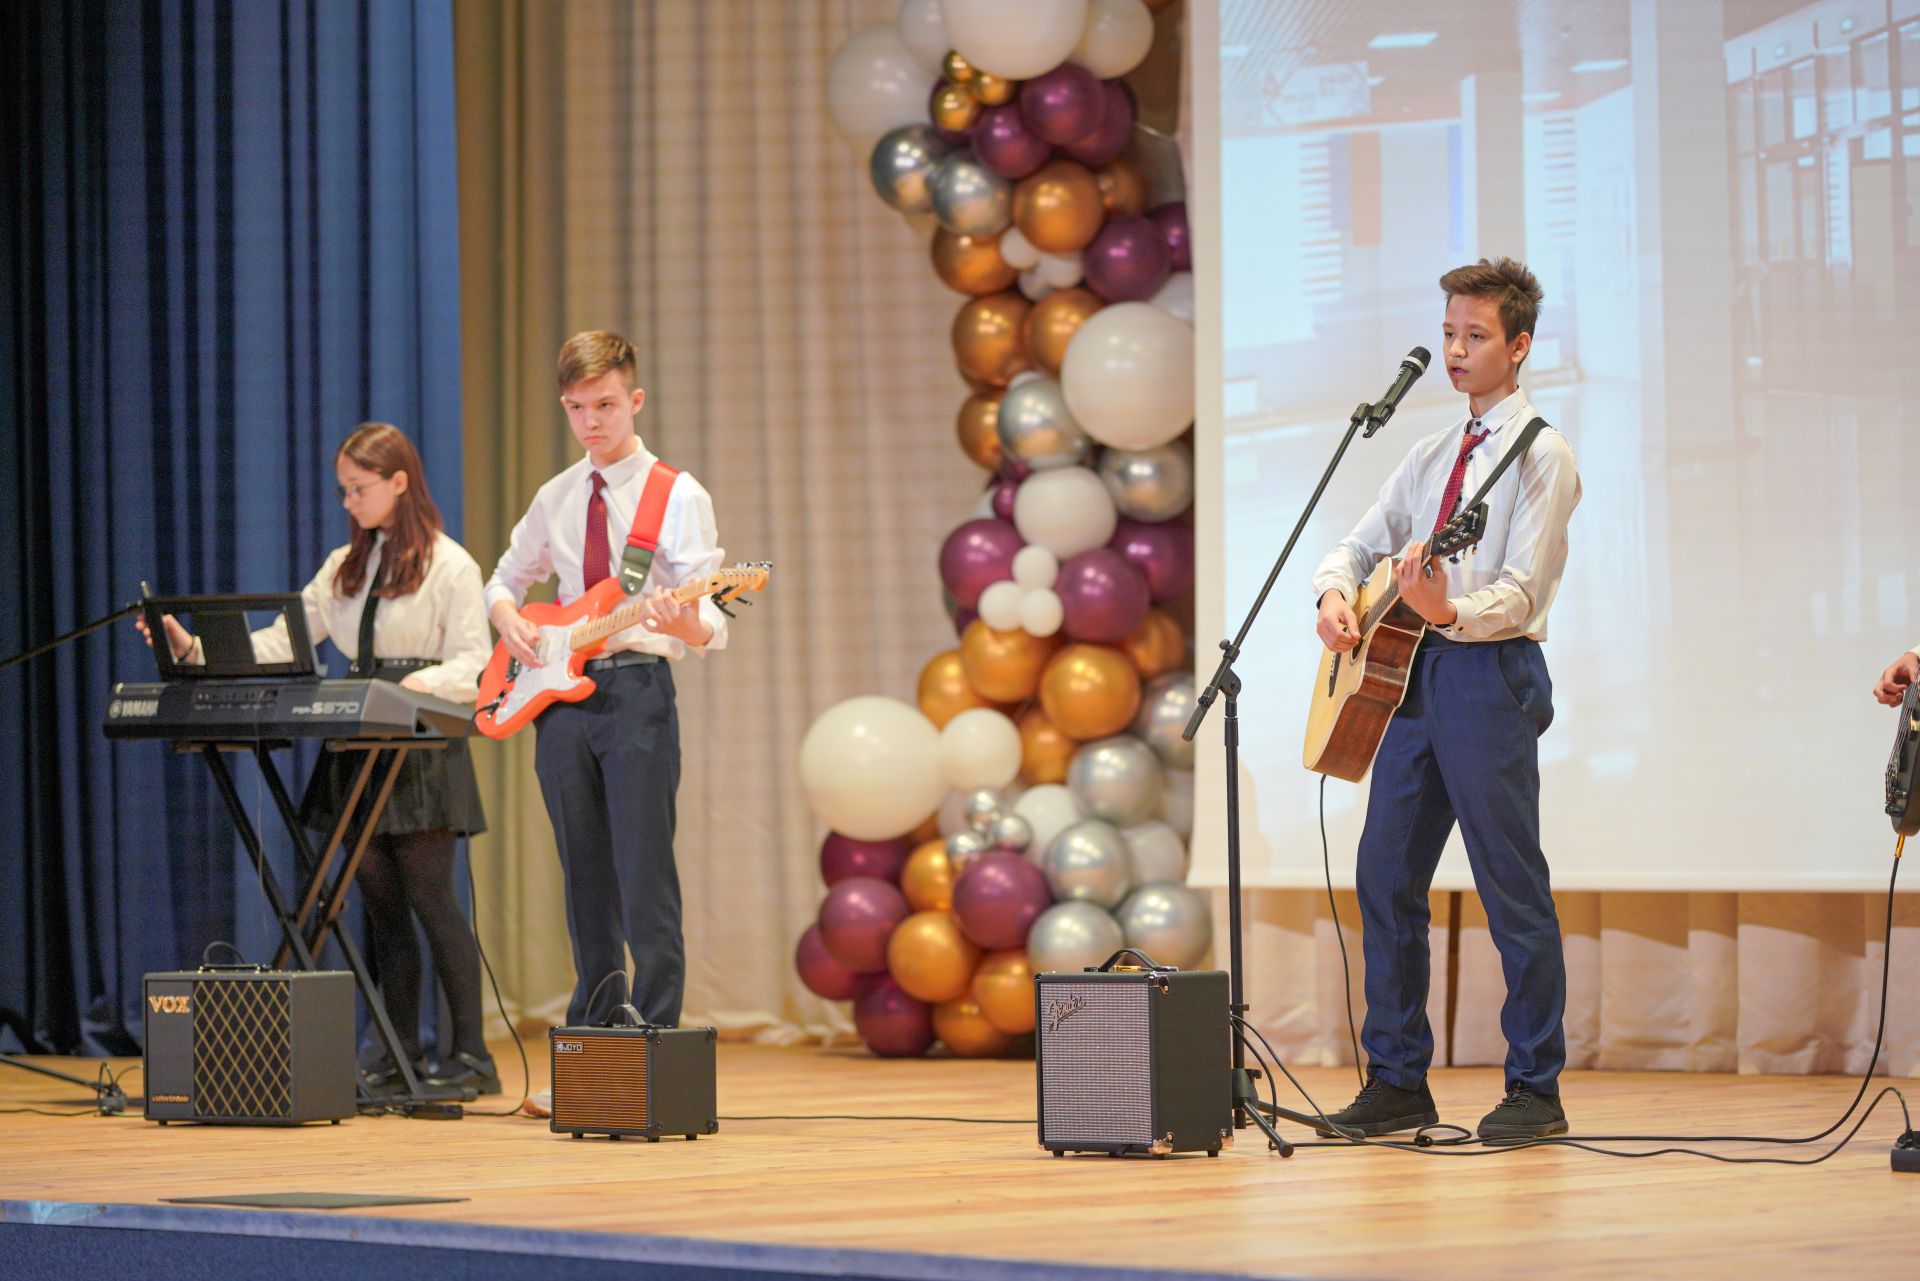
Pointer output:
x,y
1031,813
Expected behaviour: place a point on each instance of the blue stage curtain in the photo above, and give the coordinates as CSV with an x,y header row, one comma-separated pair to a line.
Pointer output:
x,y
229,237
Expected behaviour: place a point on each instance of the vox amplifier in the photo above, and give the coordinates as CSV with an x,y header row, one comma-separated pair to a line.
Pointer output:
x,y
249,1046
639,1081
1134,1061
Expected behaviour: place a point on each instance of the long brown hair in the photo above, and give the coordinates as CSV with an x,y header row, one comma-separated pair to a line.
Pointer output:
x,y
384,449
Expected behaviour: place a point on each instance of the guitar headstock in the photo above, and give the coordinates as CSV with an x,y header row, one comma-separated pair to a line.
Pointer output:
x,y
729,583
1460,533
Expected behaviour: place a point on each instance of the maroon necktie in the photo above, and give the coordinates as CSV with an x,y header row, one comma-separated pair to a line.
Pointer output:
x,y
597,563
1451,495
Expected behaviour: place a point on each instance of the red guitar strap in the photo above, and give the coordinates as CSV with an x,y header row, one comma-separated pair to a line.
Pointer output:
x,y
644,539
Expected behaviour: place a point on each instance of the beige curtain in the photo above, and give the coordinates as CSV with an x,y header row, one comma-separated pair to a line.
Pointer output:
x,y
668,170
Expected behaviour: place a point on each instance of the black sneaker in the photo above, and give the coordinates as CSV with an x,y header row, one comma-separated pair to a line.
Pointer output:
x,y
1381,1108
1524,1114
467,1072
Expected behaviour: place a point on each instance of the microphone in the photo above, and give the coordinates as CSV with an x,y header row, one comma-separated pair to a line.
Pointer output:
x,y
1410,370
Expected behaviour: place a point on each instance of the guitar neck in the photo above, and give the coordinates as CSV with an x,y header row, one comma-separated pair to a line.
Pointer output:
x,y
1380,608
618,620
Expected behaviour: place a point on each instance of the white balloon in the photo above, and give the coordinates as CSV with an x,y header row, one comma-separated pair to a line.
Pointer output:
x,y
1035,568
1017,39
1017,251
1176,296
1158,852
1034,285
999,605
871,767
1042,612
1128,376
1062,271
980,748
1049,810
873,85
1066,510
923,30
1176,803
1116,39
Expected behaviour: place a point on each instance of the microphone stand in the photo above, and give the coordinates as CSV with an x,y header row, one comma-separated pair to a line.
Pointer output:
x,y
1247,1105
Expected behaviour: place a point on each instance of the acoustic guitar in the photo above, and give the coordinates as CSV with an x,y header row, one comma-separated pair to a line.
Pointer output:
x,y
1356,693
513,694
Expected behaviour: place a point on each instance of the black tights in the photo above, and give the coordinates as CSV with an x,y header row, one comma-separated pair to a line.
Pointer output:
x,y
411,874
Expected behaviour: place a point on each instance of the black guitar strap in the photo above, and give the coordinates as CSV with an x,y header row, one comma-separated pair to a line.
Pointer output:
x,y
1533,428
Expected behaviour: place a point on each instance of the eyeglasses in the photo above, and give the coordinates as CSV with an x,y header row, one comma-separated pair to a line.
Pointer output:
x,y
351,493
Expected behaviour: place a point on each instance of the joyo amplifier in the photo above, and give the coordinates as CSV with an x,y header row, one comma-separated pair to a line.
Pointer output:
x,y
249,1046
639,1081
1134,1060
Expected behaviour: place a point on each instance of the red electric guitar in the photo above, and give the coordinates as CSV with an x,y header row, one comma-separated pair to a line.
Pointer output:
x,y
513,694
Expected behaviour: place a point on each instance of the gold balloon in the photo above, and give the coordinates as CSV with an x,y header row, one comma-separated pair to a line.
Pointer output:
x,y
963,1029
1123,187
957,68
992,91
1004,666
930,958
987,340
971,264
1054,321
979,429
954,109
1044,751
1157,645
927,831
1058,207
927,877
944,692
1090,691
1003,988
1156,6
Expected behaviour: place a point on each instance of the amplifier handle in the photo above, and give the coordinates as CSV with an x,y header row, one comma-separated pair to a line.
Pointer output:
x,y
1151,964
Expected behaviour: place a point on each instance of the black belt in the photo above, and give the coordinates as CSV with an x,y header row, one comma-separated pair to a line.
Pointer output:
x,y
625,658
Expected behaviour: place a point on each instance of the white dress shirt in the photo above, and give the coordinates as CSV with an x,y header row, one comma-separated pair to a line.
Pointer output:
x,y
550,540
1504,587
443,619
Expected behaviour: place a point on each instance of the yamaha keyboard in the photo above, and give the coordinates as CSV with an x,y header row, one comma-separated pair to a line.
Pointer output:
x,y
251,711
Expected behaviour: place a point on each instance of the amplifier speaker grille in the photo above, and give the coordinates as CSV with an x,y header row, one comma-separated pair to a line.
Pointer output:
x,y
243,1060
602,1083
1096,1078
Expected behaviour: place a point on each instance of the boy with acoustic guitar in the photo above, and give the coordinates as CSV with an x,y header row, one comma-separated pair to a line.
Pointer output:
x,y
1462,746
609,765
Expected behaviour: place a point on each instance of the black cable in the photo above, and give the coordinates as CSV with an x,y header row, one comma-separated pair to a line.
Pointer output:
x,y
207,951
526,1073
626,987
1340,935
844,1116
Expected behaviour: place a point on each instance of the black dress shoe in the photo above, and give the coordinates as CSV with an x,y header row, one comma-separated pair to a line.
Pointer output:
x,y
466,1071
384,1081
1524,1114
1381,1108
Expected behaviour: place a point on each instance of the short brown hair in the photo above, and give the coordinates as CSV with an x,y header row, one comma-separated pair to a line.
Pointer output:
x,y
594,352
1508,283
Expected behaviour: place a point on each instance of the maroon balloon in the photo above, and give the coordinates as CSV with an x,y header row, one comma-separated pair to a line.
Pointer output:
x,y
1161,551
1003,494
997,898
856,920
1171,218
893,1024
1005,145
842,857
976,554
1106,598
1113,134
1066,103
823,975
1128,260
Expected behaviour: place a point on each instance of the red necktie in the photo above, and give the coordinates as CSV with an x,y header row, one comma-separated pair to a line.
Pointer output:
x,y
1451,494
597,563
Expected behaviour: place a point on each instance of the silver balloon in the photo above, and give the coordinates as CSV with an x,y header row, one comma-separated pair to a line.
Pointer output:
x,y
1176,802
901,164
1117,779
1011,833
1157,852
1089,861
1170,923
1166,704
964,847
1037,427
1069,937
1149,484
982,807
968,198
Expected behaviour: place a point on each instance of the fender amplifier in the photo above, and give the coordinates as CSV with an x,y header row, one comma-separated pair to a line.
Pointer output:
x,y
1134,1061
249,1046
640,1081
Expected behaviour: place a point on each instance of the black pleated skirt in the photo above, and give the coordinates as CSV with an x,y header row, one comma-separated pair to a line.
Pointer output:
x,y
436,790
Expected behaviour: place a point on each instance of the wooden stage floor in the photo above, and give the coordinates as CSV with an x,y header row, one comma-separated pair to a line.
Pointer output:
x,y
966,1195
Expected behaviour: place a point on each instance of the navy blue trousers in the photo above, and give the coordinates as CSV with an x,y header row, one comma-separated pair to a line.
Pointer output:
x,y
1463,747
609,766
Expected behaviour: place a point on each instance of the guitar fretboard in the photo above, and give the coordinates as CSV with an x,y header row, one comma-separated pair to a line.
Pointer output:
x,y
618,620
